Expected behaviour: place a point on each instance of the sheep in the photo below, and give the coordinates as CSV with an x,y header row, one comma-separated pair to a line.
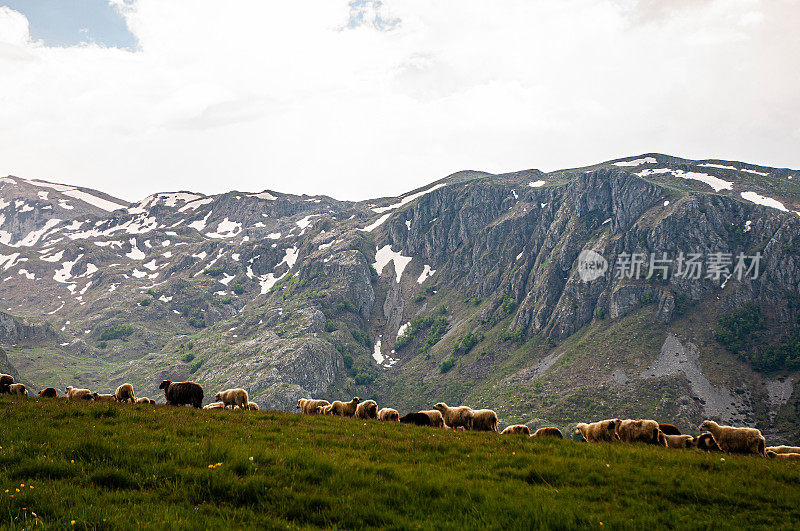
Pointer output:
x,y
437,421
214,405
344,409
454,417
48,392
97,397
367,409
418,419
705,442
233,397
78,394
484,420
548,432
641,430
783,449
252,406
388,414
311,407
601,431
736,440
788,456
180,393
5,381
679,441
517,429
124,393
669,429
17,389
326,410
145,400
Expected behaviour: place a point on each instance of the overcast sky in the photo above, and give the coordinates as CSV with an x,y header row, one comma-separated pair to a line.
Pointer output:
x,y
358,99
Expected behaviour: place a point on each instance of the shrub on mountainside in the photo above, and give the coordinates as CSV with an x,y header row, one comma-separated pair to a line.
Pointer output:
x,y
435,326
115,332
214,271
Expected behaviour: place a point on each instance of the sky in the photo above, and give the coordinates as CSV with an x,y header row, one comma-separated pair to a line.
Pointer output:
x,y
366,98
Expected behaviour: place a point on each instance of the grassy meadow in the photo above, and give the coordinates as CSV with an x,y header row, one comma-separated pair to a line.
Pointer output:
x,y
97,466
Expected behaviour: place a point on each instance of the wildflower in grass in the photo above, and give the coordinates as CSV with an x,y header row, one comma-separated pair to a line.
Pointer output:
x,y
72,522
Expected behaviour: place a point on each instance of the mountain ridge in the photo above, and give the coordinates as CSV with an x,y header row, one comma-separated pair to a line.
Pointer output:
x,y
292,295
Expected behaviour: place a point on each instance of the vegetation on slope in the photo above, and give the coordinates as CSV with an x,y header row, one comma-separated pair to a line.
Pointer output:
x,y
744,332
102,466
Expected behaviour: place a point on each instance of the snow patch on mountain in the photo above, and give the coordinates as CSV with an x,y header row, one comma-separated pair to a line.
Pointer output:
x,y
384,255
636,162
764,201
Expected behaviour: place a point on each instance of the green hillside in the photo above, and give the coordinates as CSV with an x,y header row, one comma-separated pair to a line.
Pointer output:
x,y
107,466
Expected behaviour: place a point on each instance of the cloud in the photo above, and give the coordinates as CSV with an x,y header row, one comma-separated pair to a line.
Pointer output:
x,y
359,99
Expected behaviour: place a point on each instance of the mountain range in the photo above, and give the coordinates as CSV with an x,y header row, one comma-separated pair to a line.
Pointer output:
x,y
552,297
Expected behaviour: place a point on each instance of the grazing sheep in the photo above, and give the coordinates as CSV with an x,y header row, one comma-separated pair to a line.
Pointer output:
x,y
601,431
788,456
17,389
548,432
344,409
706,442
418,419
48,392
484,420
679,441
97,397
669,429
455,417
388,414
145,400
640,430
214,405
736,440
5,381
233,397
517,429
783,449
78,394
367,409
180,393
326,410
311,406
437,421
124,393
252,406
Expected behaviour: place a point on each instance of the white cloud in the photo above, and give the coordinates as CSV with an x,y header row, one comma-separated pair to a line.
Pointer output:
x,y
297,97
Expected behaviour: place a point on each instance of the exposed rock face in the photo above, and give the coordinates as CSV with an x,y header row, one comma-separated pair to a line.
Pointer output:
x,y
16,331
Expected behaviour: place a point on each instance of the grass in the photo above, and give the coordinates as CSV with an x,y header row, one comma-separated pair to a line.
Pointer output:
x,y
107,466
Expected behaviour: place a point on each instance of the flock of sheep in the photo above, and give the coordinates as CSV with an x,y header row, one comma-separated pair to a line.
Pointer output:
x,y
728,439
